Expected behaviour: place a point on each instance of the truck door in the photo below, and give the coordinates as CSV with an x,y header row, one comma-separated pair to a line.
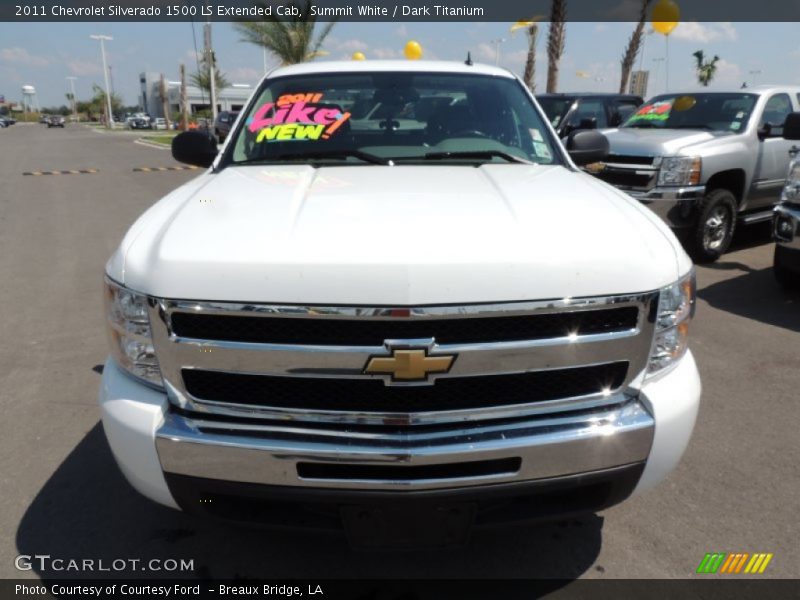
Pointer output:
x,y
773,157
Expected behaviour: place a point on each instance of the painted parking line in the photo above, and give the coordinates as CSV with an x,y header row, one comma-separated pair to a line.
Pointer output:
x,y
155,169
68,172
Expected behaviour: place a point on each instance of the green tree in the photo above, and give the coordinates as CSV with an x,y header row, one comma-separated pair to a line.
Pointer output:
x,y
98,105
202,78
705,69
291,40
556,36
632,50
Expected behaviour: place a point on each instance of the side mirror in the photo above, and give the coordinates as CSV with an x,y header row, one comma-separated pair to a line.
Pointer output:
x,y
791,126
764,131
194,148
586,147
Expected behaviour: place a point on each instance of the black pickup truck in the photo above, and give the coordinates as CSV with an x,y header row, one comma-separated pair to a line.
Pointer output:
x,y
571,112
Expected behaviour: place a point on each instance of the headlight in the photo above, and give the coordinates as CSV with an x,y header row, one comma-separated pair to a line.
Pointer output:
x,y
791,191
675,311
129,334
680,170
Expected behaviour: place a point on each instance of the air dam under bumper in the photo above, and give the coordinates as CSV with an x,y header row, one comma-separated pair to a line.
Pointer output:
x,y
148,440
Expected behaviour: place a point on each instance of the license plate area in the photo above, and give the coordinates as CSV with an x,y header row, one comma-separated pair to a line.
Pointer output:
x,y
397,527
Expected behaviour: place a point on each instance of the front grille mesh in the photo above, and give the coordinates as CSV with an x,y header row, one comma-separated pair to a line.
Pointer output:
x,y
629,159
368,332
371,395
628,179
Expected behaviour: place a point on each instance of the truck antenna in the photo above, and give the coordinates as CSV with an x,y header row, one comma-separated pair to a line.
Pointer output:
x,y
468,62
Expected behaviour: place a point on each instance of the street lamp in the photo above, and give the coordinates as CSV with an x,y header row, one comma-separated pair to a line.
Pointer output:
x,y
658,62
74,105
103,39
497,43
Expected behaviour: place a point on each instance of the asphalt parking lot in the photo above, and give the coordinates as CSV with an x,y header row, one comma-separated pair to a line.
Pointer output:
x,y
735,491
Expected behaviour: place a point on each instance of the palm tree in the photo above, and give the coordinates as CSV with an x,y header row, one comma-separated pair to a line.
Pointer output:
x,y
555,42
98,102
705,69
531,28
202,78
530,60
291,40
634,45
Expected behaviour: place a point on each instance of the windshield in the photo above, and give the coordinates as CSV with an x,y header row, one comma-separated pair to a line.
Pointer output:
x,y
714,112
353,118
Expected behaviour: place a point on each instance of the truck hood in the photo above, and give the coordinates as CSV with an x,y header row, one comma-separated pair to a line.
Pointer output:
x,y
402,235
654,142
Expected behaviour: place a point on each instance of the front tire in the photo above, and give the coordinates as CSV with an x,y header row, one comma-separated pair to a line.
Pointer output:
x,y
786,278
713,231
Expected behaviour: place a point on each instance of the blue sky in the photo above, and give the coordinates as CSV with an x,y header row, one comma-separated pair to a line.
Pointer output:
x,y
44,54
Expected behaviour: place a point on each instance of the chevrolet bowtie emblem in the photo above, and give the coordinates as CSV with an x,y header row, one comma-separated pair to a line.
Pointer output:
x,y
409,364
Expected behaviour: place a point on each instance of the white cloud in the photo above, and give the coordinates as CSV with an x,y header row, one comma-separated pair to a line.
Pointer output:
x,y
401,31
20,56
385,53
83,68
705,32
350,46
485,53
728,73
244,75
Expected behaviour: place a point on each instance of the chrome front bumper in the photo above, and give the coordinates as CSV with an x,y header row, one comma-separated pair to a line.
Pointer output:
x,y
536,448
675,205
786,226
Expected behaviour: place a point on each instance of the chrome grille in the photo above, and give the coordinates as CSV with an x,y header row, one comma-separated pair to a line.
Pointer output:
x,y
580,353
280,329
360,395
631,172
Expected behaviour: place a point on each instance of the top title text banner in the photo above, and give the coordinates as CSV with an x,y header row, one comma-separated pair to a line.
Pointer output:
x,y
384,10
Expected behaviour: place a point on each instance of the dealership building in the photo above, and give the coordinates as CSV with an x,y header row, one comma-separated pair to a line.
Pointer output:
x,y
231,98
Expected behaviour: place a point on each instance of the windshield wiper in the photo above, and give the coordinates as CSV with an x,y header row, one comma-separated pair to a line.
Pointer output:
x,y
478,154
364,156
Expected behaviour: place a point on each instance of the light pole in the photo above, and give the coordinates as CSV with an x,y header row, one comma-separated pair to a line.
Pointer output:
x,y
497,43
103,39
658,62
599,81
74,104
211,59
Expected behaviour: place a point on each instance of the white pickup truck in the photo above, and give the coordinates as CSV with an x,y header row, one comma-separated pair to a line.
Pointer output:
x,y
394,305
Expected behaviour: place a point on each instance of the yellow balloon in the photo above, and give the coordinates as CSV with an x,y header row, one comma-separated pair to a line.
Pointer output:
x,y
683,103
413,50
359,56
525,23
666,15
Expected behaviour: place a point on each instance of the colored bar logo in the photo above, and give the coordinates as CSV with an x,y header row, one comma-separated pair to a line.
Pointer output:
x,y
734,563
